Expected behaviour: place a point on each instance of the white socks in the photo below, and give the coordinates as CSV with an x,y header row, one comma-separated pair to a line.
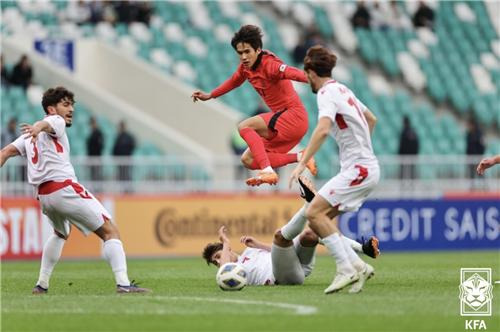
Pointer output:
x,y
51,253
114,254
335,246
355,245
299,156
296,225
268,169
357,262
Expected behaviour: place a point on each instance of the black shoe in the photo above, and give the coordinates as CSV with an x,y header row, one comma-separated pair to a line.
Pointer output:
x,y
132,288
39,290
305,190
370,247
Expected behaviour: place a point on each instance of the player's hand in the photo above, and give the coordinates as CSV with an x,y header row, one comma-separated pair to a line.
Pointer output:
x,y
296,173
485,164
200,95
29,131
248,241
223,234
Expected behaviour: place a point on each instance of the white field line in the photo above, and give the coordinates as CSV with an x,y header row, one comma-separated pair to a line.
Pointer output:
x,y
298,309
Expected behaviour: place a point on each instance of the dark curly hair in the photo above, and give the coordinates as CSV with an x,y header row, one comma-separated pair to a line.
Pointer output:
x,y
249,34
320,60
53,96
210,250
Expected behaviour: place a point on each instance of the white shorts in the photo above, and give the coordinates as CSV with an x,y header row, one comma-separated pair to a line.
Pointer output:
x,y
73,204
350,188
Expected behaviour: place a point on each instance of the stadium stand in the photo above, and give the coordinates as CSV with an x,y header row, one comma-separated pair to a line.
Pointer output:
x,y
191,41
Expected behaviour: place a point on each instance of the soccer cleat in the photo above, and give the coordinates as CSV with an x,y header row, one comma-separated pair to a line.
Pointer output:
x,y
37,290
132,288
341,280
263,177
364,275
370,247
307,191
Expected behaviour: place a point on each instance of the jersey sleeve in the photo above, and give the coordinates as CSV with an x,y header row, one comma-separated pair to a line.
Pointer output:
x,y
278,70
326,105
19,145
231,83
57,123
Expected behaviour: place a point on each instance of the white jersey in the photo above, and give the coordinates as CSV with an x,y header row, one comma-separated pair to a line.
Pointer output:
x,y
258,265
350,128
48,156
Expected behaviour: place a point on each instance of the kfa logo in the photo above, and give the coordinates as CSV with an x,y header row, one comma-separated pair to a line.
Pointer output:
x,y
475,292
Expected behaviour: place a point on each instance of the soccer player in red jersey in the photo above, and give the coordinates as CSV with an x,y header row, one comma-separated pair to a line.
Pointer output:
x,y
269,136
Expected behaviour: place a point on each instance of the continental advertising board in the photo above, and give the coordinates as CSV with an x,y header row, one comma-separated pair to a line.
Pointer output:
x,y
182,225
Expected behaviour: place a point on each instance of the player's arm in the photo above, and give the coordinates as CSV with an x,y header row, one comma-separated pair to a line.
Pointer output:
x,y
318,137
252,242
487,163
294,74
371,119
35,129
231,83
9,151
281,71
225,256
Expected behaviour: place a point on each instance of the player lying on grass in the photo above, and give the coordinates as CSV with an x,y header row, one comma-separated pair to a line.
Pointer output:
x,y
289,259
63,200
270,136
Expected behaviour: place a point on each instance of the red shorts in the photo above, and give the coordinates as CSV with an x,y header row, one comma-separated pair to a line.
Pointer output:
x,y
286,129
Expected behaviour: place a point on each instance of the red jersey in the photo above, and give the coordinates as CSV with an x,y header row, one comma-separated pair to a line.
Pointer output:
x,y
270,77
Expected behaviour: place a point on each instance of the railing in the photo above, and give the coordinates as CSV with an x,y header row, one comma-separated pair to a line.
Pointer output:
x,y
401,177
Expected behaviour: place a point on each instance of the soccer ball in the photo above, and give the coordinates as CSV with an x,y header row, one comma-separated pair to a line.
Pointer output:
x,y
231,277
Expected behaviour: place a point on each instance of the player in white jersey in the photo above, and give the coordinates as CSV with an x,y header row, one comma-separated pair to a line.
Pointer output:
x,y
63,200
285,262
350,123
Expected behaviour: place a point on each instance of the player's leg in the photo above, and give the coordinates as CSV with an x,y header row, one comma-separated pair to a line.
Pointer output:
x,y
53,247
286,265
369,247
352,193
51,254
113,251
252,130
85,212
277,160
318,215
305,248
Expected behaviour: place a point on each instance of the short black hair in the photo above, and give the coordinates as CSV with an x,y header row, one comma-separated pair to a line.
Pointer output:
x,y
250,34
320,60
53,96
210,250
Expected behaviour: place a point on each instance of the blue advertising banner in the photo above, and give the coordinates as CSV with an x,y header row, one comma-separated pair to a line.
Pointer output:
x,y
427,224
60,51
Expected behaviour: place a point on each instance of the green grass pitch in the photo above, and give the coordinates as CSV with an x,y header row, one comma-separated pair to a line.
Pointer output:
x,y
410,292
